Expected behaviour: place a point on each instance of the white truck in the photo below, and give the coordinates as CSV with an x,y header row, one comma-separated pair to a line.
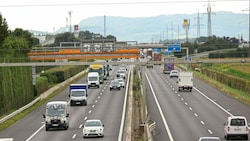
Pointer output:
x,y
185,81
93,79
56,115
78,94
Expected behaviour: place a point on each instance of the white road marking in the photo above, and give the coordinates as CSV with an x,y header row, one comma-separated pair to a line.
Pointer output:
x,y
90,111
35,133
195,114
80,126
85,118
74,136
210,131
93,106
190,108
96,101
160,110
202,122
186,103
213,102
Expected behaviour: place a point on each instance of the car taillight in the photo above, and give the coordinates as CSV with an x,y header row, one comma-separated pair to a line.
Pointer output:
x,y
247,129
228,129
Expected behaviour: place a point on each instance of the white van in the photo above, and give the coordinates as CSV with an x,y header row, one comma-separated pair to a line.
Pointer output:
x,y
93,79
236,126
56,115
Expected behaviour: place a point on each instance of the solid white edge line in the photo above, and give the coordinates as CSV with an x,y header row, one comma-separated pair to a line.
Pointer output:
x,y
160,110
38,130
124,106
213,102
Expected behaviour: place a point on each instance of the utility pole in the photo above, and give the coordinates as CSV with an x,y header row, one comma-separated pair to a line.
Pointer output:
x,y
104,34
70,14
209,25
198,25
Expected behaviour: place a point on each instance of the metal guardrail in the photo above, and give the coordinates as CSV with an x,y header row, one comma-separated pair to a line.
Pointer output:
x,y
138,62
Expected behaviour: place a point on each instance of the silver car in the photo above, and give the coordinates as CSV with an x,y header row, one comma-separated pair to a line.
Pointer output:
x,y
121,82
114,85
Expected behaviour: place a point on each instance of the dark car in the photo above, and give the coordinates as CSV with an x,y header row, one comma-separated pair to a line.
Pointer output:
x,y
114,85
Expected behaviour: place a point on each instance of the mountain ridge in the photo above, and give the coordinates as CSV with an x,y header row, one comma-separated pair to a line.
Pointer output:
x,y
167,27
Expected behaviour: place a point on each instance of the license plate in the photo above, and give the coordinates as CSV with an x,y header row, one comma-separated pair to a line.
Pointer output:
x,y
55,124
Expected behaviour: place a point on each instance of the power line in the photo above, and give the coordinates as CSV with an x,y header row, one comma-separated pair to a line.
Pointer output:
x,y
120,3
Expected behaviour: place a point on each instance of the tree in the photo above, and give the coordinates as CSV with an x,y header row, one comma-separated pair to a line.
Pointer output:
x,y
25,34
15,48
3,30
64,37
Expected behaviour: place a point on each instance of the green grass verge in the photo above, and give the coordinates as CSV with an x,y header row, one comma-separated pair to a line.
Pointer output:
x,y
237,94
19,116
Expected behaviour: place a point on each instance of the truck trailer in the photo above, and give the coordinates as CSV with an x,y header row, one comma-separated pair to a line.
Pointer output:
x,y
168,65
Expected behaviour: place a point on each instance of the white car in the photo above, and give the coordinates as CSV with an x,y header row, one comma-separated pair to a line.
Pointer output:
x,y
236,126
121,82
173,73
121,74
93,128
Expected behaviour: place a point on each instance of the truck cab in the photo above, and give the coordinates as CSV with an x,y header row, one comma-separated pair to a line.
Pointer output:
x,y
56,115
78,94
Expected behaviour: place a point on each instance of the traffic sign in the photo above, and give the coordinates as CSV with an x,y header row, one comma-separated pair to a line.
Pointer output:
x,y
159,49
187,59
174,47
154,49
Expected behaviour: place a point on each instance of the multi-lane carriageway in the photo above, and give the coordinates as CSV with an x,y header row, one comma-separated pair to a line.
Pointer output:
x,y
178,115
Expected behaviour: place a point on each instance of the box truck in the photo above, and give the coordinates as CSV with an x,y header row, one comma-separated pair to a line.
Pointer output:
x,y
78,94
185,81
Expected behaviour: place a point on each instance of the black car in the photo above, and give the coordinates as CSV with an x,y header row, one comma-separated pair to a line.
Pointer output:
x,y
114,85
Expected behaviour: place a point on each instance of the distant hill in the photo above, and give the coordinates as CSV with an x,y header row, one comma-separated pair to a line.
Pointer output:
x,y
162,27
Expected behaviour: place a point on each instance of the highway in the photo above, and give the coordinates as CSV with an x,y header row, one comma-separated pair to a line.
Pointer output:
x,y
102,104
178,115
188,115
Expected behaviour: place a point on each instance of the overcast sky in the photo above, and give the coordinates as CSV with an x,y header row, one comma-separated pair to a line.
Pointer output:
x,y
46,15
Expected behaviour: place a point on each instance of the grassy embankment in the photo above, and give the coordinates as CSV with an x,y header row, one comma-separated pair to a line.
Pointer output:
x,y
19,116
238,70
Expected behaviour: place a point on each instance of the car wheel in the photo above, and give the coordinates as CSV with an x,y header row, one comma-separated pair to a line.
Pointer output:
x,y
46,128
227,137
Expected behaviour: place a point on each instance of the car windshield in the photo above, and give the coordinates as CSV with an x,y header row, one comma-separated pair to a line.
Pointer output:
x,y
78,93
120,71
237,122
55,110
92,78
92,123
114,82
120,80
